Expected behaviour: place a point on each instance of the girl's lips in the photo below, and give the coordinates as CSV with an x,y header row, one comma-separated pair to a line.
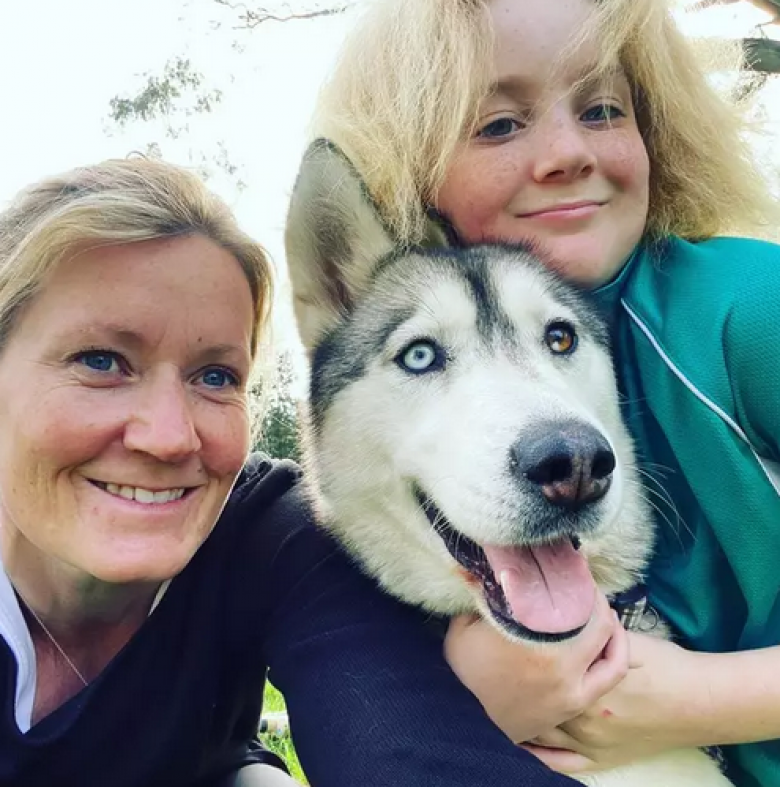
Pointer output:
x,y
575,210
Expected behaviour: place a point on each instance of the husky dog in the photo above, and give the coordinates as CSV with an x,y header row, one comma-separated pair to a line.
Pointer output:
x,y
465,441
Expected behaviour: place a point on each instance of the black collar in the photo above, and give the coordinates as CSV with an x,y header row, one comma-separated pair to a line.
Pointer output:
x,y
631,607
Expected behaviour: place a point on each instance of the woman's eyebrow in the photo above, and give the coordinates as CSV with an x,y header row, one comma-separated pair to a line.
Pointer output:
x,y
122,336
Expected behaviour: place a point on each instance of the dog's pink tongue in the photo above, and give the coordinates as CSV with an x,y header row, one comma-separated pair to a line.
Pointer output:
x,y
548,589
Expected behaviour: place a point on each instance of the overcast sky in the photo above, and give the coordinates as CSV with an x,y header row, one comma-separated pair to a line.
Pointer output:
x,y
62,60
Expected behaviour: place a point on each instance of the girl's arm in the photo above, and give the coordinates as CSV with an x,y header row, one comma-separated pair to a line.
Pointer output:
x,y
671,698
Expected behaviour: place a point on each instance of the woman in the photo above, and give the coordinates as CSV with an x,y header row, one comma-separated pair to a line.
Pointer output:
x,y
589,129
151,573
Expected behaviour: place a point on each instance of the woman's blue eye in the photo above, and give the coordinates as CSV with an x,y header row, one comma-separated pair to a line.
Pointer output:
x,y
99,361
602,113
501,127
218,378
421,357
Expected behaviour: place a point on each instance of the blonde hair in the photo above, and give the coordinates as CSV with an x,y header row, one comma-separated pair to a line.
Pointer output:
x,y
407,88
116,202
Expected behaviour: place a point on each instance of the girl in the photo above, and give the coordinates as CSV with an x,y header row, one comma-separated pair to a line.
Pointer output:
x,y
589,129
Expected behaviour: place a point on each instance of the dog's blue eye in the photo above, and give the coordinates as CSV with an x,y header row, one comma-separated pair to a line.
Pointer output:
x,y
421,357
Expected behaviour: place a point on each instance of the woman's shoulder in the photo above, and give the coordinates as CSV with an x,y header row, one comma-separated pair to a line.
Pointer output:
x,y
269,498
719,266
267,538
264,479
730,280
707,313
730,244
272,511
676,283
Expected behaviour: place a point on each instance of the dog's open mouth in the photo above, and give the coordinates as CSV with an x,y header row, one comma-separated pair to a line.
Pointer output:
x,y
543,592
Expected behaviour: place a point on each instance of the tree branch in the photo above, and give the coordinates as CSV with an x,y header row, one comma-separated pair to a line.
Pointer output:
x,y
762,55
771,7
251,18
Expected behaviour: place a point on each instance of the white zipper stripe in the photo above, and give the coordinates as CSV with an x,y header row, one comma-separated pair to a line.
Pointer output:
x,y
771,469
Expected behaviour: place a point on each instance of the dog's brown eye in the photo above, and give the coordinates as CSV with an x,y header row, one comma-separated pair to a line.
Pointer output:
x,y
561,337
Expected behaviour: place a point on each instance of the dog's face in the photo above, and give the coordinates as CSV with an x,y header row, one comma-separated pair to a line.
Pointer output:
x,y
465,438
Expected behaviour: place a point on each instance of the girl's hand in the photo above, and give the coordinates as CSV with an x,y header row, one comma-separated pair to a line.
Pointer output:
x,y
529,689
657,707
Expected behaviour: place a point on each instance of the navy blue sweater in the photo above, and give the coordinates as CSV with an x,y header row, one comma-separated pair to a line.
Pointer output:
x,y
371,699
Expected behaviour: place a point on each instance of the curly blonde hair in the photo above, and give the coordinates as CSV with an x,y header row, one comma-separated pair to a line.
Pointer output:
x,y
411,77
117,201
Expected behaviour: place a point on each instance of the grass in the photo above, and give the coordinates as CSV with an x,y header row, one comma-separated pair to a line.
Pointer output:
x,y
281,744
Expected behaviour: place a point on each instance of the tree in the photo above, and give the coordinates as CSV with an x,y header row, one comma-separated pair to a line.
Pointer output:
x,y
762,55
252,17
179,90
280,429
772,7
171,99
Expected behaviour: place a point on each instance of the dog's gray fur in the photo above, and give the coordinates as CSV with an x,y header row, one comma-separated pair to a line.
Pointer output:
x,y
381,440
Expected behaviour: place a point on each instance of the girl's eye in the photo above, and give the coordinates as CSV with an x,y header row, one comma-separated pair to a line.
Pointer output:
x,y
602,113
498,128
217,377
99,361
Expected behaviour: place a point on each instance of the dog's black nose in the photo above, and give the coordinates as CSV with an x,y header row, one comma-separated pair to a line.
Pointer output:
x,y
571,463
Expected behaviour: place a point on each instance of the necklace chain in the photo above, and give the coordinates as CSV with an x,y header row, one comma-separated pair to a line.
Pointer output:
x,y
54,642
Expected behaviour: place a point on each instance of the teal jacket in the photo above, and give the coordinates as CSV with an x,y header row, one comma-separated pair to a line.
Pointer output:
x,y
696,331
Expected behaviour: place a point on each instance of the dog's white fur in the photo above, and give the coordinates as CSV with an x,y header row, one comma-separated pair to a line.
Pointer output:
x,y
381,429
452,436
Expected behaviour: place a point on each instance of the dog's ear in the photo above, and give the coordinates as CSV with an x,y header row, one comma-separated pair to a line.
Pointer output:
x,y
333,240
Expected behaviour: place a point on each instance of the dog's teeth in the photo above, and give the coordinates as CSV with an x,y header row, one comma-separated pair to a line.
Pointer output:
x,y
503,581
